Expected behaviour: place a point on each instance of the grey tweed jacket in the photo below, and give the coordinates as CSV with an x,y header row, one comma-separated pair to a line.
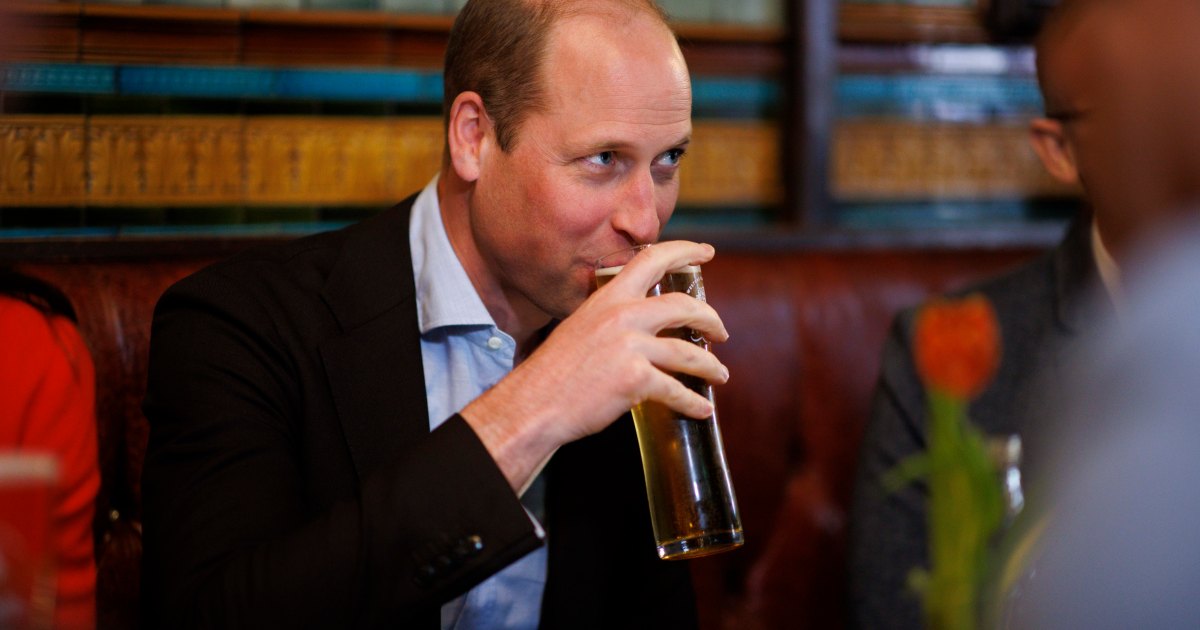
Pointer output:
x,y
1042,308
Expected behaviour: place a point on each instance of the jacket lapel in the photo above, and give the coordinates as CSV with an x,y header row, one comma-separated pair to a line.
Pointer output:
x,y
374,367
1075,276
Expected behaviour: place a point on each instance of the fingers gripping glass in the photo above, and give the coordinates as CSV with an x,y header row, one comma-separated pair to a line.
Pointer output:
x,y
692,506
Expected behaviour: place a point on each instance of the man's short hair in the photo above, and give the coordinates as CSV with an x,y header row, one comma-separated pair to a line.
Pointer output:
x,y
497,48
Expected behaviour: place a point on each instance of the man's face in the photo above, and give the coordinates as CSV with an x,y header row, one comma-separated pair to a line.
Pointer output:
x,y
1127,106
1085,95
595,170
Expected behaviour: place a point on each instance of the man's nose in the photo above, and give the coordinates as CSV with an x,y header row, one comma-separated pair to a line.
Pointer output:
x,y
636,214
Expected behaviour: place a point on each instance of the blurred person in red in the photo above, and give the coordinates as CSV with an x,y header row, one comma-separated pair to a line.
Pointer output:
x,y
1119,79
47,405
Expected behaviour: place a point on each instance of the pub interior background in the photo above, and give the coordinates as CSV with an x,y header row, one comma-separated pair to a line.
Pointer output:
x,y
868,153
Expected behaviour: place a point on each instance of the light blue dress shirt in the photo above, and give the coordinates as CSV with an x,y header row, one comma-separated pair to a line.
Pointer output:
x,y
464,354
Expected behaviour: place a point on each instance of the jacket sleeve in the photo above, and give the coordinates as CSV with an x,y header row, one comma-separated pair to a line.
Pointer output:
x,y
888,529
231,536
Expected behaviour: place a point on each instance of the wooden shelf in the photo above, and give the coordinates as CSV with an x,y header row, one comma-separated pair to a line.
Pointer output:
x,y
111,33
1031,236
885,23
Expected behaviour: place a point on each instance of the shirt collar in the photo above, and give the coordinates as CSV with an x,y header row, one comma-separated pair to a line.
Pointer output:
x,y
1110,273
445,295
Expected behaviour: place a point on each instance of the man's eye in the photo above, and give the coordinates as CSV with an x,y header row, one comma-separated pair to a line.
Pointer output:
x,y
671,158
604,158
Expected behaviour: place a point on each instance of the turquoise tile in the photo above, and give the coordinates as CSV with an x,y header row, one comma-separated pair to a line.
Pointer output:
x,y
409,86
952,212
264,4
735,96
414,6
58,77
196,81
690,10
754,12
934,97
340,5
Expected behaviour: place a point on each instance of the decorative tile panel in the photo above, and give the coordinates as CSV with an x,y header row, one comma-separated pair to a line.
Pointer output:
x,y
221,160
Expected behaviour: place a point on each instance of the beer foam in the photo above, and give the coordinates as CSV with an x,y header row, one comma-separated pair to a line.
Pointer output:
x,y
612,271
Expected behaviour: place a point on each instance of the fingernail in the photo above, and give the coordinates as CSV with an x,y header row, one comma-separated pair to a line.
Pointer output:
x,y
725,374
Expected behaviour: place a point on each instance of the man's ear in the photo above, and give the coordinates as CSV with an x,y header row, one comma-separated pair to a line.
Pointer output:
x,y
467,135
1049,140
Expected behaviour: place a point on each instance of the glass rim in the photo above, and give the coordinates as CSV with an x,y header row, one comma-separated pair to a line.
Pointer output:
x,y
599,268
598,264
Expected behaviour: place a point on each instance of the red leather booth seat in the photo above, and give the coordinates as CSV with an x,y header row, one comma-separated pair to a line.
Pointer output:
x,y
806,330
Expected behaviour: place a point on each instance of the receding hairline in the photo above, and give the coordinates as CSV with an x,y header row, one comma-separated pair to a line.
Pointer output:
x,y
547,16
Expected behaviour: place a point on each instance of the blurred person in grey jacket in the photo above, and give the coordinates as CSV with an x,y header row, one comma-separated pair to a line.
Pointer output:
x,y
1110,536
1120,81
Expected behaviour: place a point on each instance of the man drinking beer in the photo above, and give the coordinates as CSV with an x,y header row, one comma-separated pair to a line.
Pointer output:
x,y
349,429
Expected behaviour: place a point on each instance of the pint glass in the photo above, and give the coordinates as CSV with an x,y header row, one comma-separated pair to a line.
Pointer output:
x,y
27,572
692,507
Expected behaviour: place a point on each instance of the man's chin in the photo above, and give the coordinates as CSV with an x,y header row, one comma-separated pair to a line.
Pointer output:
x,y
567,304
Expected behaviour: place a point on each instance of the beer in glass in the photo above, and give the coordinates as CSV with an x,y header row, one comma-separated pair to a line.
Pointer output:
x,y
692,506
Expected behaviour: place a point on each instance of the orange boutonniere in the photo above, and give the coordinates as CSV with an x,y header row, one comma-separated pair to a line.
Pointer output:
x,y
957,352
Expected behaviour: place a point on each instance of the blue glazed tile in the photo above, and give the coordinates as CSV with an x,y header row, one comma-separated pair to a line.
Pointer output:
x,y
713,96
59,78
948,98
760,12
196,81
340,5
364,85
735,96
414,6
690,10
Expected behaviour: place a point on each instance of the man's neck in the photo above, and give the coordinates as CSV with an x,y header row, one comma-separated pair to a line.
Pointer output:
x,y
512,313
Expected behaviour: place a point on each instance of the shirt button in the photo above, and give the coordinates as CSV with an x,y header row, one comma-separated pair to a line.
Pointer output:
x,y
494,343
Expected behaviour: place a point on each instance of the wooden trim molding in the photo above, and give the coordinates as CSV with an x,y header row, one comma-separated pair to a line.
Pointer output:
x,y
906,23
197,161
896,160
113,33
276,160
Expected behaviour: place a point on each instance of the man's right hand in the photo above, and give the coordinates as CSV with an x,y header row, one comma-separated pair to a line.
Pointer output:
x,y
600,362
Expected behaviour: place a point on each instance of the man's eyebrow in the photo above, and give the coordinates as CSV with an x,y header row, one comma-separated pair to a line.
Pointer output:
x,y
603,146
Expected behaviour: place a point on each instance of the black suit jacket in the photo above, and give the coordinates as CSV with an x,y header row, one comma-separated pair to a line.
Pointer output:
x,y
291,479
1041,309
